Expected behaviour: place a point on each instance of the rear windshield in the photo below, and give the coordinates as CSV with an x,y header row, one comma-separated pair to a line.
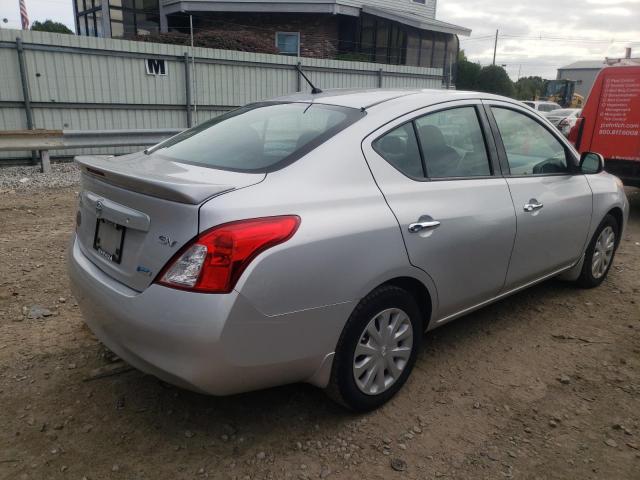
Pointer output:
x,y
260,137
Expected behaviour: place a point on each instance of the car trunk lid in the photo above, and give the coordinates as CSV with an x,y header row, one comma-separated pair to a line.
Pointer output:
x,y
137,211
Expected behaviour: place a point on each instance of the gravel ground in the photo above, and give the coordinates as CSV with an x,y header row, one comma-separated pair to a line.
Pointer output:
x,y
542,385
30,179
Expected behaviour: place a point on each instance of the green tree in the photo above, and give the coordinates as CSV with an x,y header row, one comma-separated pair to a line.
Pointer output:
x,y
494,79
50,26
529,88
467,73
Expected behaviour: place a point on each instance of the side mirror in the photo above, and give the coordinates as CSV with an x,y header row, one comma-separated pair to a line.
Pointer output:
x,y
591,163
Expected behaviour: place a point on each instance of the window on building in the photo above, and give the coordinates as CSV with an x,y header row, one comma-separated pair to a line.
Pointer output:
x,y
413,49
89,17
451,58
397,45
423,2
134,17
288,43
439,51
426,49
386,41
368,36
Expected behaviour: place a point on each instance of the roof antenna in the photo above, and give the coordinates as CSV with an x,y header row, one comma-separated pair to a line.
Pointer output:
x,y
314,90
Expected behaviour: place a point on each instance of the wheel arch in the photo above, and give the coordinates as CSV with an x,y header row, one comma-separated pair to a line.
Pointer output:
x,y
616,212
419,291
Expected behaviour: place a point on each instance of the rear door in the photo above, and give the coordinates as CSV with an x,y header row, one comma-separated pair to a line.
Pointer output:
x,y
436,171
552,201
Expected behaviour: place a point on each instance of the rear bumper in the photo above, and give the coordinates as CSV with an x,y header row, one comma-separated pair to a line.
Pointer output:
x,y
216,344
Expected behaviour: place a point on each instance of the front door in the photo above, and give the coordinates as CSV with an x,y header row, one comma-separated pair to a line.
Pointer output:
x,y
552,201
439,178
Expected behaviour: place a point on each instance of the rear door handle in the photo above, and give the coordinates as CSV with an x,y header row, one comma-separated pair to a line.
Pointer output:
x,y
532,205
420,226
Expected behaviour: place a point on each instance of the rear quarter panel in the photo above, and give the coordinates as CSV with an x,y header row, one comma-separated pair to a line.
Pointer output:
x,y
348,241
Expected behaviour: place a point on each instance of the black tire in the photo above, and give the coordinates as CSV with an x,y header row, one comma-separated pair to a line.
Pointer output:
x,y
343,388
587,278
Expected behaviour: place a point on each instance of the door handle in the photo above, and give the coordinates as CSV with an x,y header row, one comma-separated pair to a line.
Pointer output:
x,y
419,226
532,206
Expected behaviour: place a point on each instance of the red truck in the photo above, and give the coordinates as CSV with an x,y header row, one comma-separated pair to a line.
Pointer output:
x,y
610,122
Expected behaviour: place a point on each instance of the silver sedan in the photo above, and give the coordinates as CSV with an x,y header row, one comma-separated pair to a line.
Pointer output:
x,y
316,237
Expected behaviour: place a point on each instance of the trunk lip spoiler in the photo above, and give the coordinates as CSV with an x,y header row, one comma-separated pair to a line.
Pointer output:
x,y
177,190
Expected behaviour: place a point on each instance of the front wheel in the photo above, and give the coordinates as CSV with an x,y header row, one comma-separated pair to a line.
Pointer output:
x,y
377,349
600,252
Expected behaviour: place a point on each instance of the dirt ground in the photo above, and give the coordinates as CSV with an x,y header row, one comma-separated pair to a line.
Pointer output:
x,y
543,385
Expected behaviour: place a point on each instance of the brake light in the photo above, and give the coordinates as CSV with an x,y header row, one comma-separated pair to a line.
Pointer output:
x,y
214,260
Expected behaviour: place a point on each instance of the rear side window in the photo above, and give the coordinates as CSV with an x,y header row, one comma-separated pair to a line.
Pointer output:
x,y
531,149
452,144
399,147
259,138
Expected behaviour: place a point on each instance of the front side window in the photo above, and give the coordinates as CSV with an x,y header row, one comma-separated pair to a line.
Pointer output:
x,y
258,137
288,43
452,144
531,149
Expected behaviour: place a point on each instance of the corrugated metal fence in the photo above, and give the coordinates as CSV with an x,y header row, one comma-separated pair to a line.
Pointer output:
x,y
79,83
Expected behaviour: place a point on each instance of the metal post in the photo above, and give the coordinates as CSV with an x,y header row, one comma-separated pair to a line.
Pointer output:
x,y
187,82
45,162
25,91
380,78
299,87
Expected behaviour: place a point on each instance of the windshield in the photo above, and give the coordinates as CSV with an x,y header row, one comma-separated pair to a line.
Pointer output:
x,y
548,107
260,137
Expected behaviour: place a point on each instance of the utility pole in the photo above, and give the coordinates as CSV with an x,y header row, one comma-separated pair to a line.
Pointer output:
x,y
495,48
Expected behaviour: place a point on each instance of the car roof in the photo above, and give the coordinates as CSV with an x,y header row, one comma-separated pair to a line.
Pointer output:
x,y
366,99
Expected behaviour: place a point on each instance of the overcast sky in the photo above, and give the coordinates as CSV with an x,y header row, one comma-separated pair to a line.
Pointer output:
x,y
536,38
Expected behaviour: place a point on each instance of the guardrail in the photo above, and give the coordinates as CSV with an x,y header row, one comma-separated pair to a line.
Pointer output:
x,y
45,140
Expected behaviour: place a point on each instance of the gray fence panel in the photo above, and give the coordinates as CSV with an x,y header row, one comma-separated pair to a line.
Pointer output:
x,y
95,83
10,86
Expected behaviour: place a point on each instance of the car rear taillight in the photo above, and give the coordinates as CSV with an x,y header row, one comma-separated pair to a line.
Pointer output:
x,y
215,259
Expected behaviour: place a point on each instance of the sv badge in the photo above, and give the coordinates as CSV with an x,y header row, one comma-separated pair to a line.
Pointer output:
x,y
166,240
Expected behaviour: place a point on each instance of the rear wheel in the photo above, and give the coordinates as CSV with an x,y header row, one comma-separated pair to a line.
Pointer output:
x,y
377,349
600,252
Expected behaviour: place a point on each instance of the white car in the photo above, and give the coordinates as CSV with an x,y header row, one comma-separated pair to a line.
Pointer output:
x,y
563,119
542,106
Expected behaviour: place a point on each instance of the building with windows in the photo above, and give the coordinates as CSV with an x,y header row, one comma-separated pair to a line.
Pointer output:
x,y
400,32
584,73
